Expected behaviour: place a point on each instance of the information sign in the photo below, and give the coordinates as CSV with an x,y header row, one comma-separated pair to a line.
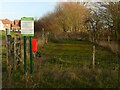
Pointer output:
x,y
27,26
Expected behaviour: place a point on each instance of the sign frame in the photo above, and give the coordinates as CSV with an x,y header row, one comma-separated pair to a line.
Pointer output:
x,y
26,27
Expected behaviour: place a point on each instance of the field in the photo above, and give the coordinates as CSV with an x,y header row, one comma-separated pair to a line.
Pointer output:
x,y
67,64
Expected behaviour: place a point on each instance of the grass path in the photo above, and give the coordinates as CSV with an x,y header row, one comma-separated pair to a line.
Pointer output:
x,y
81,52
69,64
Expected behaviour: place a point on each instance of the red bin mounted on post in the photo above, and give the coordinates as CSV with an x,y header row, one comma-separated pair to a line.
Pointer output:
x,y
34,44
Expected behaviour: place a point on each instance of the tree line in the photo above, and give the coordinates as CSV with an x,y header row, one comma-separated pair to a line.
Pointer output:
x,y
93,21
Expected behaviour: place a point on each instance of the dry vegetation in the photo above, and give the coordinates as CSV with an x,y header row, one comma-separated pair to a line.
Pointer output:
x,y
68,64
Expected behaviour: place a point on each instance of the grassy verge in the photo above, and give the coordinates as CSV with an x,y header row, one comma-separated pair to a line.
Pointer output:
x,y
3,35
69,64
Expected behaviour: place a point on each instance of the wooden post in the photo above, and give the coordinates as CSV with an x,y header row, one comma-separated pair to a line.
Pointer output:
x,y
93,56
20,48
9,54
43,34
6,49
7,46
14,53
1,60
108,40
46,38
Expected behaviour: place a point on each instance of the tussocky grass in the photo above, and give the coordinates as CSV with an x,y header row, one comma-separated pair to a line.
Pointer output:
x,y
68,64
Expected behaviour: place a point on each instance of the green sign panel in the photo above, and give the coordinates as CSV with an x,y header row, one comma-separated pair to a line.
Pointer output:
x,y
27,26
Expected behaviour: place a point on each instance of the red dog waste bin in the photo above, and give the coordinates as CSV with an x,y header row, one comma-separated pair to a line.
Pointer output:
x,y
34,44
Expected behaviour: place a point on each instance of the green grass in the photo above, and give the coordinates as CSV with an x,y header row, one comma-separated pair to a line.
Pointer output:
x,y
3,35
69,64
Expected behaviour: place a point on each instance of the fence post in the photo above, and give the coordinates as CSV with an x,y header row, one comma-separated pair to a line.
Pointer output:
x,y
93,56
7,49
43,34
108,40
14,53
7,46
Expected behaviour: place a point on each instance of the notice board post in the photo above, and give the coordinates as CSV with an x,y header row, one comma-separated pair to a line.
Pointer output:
x,y
27,29
31,61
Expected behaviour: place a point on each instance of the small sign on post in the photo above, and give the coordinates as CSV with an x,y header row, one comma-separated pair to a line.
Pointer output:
x,y
27,26
27,29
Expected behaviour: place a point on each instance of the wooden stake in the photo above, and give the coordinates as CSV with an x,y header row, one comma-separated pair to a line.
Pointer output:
x,y
6,49
14,53
93,56
108,40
